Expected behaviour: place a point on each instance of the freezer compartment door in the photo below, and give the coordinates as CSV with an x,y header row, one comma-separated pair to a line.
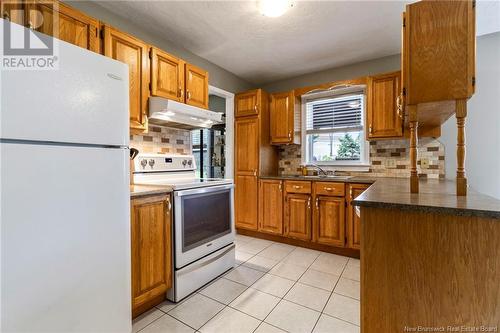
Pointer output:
x,y
65,239
85,100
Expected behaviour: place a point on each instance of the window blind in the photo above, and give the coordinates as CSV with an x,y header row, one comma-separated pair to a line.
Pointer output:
x,y
340,113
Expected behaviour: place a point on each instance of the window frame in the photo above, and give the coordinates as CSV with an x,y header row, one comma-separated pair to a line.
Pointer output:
x,y
364,162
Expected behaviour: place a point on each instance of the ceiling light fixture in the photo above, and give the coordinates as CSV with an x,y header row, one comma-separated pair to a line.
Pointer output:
x,y
274,8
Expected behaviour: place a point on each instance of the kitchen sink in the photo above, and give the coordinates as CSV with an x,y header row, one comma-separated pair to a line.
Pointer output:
x,y
329,177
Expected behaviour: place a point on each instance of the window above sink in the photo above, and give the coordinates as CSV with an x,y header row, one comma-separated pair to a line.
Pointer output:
x,y
333,128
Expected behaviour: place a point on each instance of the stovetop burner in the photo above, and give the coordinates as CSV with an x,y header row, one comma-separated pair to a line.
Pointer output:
x,y
177,171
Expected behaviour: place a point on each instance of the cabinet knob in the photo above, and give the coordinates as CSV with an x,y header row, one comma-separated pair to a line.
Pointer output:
x,y
168,204
309,203
297,187
350,193
6,16
255,173
255,108
328,188
281,189
289,135
370,129
188,94
181,92
317,203
30,25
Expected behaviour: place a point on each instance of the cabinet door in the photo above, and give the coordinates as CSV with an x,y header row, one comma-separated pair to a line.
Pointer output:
x,y
247,103
330,220
282,122
384,120
151,248
298,216
134,53
196,86
247,146
353,220
246,202
65,23
271,206
167,75
15,12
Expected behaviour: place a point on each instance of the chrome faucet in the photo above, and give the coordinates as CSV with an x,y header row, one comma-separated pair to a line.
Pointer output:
x,y
317,168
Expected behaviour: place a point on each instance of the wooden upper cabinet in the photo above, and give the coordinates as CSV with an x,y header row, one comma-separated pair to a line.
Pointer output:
x,y
196,86
167,75
439,51
298,216
65,23
330,220
353,218
248,103
246,201
151,237
282,115
14,12
247,146
271,206
130,50
384,111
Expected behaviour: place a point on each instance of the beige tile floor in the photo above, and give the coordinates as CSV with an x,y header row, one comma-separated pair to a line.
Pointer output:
x,y
273,288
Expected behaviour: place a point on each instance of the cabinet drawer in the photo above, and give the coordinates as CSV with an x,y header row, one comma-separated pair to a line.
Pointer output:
x,y
329,188
297,187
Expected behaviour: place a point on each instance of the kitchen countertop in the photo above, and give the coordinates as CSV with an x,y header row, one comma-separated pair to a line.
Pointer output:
x,y
142,190
435,196
341,179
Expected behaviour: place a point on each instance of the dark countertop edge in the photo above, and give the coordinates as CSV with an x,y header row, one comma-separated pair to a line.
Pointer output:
x,y
152,190
470,212
394,205
353,179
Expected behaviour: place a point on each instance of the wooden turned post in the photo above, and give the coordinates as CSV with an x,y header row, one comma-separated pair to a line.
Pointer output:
x,y
413,148
461,113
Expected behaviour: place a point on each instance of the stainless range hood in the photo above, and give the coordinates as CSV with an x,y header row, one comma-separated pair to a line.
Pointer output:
x,y
170,113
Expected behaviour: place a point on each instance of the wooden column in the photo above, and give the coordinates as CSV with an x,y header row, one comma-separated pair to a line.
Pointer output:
x,y
413,148
461,113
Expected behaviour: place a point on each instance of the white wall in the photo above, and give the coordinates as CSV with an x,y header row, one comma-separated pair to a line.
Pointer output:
x,y
482,124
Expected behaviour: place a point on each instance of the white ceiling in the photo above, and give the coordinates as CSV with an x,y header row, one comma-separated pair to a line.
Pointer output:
x,y
311,36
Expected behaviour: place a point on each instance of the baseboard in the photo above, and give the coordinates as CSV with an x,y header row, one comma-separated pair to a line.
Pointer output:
x,y
296,242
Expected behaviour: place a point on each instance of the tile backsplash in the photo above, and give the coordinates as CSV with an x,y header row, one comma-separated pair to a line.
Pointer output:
x,y
162,140
388,158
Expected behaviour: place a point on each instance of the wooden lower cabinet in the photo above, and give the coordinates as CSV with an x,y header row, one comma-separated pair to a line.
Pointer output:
x,y
246,201
298,216
353,220
271,206
329,220
151,234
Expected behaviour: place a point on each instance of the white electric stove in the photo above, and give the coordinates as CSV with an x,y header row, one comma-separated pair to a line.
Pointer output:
x,y
203,211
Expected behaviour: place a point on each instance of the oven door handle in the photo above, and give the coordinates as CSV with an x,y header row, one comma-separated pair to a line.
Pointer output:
x,y
201,190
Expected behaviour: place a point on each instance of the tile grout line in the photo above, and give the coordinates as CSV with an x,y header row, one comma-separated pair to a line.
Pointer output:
x,y
328,300
295,282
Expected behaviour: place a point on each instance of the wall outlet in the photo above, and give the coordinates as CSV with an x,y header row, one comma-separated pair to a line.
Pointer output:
x,y
424,163
390,163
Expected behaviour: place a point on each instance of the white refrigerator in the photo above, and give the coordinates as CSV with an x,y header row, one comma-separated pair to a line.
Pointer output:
x,y
64,196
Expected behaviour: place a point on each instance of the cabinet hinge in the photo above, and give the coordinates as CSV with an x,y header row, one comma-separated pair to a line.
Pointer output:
x,y
150,53
404,22
149,84
404,91
101,33
473,3
473,80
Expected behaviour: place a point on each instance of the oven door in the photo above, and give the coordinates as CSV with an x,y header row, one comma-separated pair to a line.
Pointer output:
x,y
203,222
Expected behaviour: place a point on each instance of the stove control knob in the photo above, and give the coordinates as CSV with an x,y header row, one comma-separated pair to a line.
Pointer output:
x,y
190,162
184,162
144,163
151,163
